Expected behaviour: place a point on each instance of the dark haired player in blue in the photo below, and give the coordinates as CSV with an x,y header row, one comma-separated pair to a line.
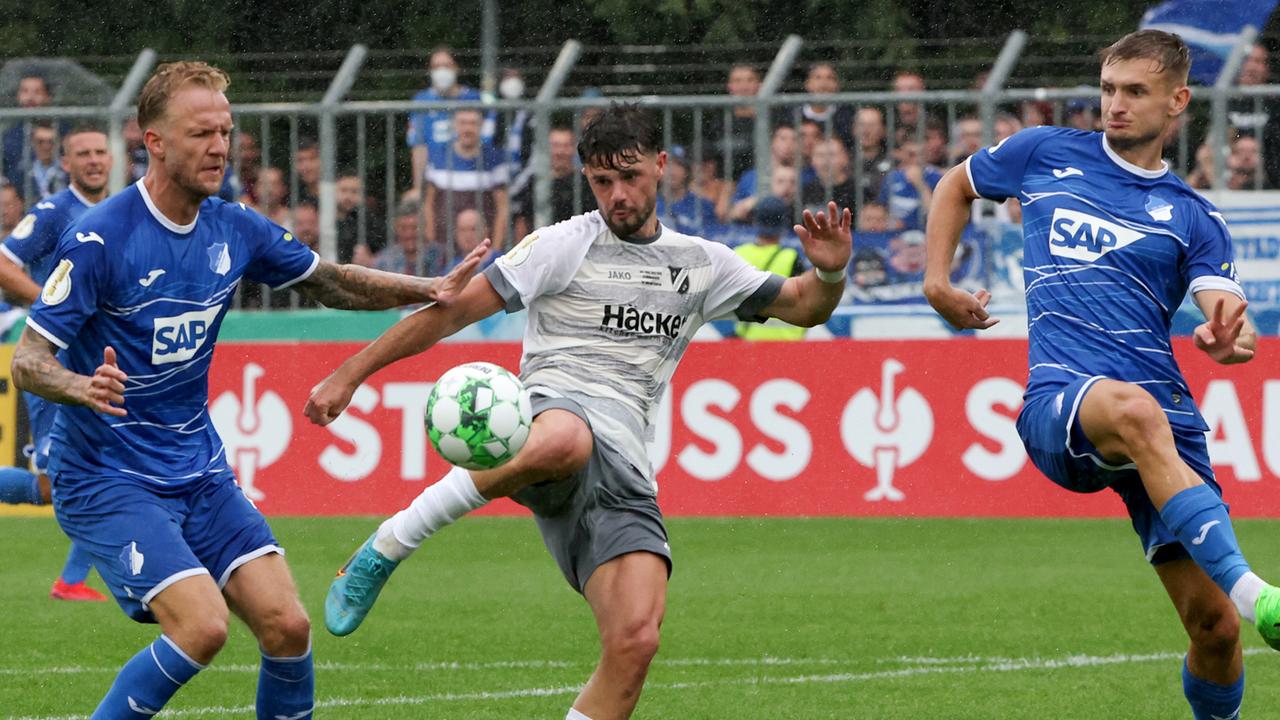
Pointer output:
x,y
1113,243
86,158
122,336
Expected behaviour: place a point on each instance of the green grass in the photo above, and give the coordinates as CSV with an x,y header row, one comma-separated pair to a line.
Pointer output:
x,y
766,619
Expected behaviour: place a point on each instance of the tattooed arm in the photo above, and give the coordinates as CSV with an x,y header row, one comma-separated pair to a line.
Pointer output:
x,y
355,287
37,370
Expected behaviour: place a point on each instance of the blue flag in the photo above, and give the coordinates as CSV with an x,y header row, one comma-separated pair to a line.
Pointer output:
x,y
1211,28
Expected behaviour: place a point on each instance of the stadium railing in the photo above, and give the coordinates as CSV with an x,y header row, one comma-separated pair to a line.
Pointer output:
x,y
369,138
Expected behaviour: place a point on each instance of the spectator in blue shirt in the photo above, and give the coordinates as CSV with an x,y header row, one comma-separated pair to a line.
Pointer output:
x,y
33,91
783,152
678,206
908,189
434,128
466,173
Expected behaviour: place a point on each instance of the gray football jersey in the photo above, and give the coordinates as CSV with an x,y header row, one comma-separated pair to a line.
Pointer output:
x,y
609,318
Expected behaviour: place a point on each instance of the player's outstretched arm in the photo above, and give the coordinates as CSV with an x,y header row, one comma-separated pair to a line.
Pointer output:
x,y
1227,336
36,369
808,299
16,283
948,214
412,335
355,287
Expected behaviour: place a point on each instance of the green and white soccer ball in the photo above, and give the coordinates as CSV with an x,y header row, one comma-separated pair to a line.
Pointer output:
x,y
478,416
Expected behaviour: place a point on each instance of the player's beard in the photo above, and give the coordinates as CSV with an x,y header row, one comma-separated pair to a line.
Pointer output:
x,y
639,219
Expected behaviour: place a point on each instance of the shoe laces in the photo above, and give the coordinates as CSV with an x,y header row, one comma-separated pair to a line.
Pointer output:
x,y
368,572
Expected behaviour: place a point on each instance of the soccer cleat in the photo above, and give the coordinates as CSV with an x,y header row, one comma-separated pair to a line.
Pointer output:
x,y
358,583
1267,610
62,590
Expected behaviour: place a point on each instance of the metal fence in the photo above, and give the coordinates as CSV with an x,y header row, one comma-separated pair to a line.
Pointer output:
x,y
342,175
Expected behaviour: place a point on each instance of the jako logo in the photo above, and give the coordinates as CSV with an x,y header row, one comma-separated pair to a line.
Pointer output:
x,y
1080,236
629,320
178,338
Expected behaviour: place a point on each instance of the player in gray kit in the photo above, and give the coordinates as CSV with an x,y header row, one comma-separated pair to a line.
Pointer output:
x,y
614,299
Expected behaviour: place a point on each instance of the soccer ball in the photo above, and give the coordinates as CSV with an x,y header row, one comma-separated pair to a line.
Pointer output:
x,y
478,416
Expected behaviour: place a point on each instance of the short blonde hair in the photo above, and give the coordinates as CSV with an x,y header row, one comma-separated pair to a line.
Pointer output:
x,y
153,101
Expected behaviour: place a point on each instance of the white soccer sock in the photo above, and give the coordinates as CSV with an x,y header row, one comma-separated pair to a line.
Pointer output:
x,y
575,715
439,505
1245,595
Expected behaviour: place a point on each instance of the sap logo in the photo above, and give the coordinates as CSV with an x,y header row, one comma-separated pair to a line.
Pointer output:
x,y
627,320
178,338
1080,236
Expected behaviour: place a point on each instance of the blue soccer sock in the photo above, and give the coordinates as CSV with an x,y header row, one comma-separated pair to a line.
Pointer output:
x,y
1199,519
286,687
18,485
77,566
147,681
1209,700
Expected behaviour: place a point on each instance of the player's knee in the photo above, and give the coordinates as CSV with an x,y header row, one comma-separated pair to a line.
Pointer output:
x,y
202,638
1138,416
634,642
286,632
563,449
1215,631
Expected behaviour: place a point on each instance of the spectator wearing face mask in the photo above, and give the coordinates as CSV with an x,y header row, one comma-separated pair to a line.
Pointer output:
x,y
516,128
434,128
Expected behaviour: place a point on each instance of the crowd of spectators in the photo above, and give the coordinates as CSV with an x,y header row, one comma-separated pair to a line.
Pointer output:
x,y
470,174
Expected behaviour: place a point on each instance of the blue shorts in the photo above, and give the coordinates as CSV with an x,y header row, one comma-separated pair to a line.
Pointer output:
x,y
1050,429
145,538
40,414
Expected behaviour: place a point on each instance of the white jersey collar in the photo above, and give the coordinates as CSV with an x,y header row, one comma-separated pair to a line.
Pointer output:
x,y
1130,167
83,200
159,216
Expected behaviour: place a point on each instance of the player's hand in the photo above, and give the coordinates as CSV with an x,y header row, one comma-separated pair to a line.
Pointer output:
x,y
1217,336
105,388
328,400
447,289
961,309
827,237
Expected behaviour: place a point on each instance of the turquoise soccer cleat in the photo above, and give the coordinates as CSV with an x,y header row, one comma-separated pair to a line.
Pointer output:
x,y
358,583
1267,610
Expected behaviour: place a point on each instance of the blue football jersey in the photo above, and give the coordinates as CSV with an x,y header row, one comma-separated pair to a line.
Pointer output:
x,y
126,276
1110,251
32,242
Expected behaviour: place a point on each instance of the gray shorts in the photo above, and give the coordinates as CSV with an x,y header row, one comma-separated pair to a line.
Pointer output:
x,y
595,515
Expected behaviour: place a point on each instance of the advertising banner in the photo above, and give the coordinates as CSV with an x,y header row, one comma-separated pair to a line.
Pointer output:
x,y
884,428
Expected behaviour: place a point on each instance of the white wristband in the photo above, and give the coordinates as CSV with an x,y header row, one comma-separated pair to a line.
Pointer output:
x,y
829,276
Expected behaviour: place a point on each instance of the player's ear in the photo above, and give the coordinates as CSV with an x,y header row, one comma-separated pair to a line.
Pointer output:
x,y
154,143
1180,99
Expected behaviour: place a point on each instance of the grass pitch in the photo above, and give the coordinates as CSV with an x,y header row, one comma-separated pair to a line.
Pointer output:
x,y
778,618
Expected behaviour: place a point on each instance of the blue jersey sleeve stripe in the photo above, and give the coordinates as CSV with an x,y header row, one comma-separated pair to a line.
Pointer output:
x,y
4,250
315,263
1214,282
31,323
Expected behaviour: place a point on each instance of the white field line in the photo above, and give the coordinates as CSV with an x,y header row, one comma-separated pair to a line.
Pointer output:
x,y
916,666
766,661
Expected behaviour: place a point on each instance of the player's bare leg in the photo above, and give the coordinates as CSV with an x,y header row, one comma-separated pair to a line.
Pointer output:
x,y
628,596
1209,618
193,621
1126,424
193,614
559,445
262,593
1213,672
